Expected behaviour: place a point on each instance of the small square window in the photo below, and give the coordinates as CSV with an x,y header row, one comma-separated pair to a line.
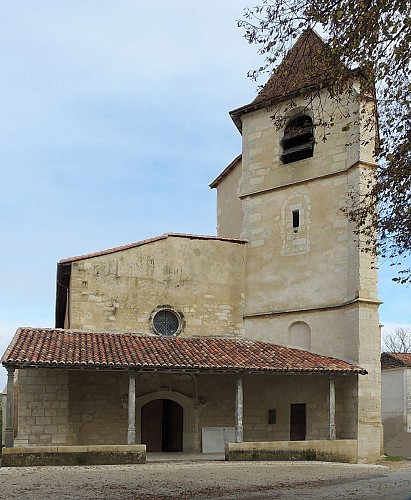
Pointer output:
x,y
272,417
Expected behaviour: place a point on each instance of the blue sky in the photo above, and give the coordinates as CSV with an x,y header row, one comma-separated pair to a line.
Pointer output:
x,y
114,120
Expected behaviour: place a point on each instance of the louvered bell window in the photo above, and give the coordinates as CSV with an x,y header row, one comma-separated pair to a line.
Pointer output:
x,y
166,323
298,140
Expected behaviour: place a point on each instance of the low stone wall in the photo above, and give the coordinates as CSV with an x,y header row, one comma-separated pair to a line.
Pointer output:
x,y
74,455
341,450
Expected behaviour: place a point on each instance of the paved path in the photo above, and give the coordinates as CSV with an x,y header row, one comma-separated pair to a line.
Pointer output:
x,y
208,480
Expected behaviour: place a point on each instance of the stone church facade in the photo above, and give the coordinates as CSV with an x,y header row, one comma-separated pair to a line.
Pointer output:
x,y
262,336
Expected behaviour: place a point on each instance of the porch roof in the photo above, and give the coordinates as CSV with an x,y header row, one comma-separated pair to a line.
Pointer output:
x,y
48,348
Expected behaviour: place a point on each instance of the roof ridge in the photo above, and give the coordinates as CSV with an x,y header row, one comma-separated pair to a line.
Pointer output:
x,y
146,242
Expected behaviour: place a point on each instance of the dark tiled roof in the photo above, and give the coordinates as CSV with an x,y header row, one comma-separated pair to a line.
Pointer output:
x,y
32,347
307,64
226,171
395,360
145,242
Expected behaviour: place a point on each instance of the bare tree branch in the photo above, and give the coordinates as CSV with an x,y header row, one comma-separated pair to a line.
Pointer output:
x,y
375,36
399,341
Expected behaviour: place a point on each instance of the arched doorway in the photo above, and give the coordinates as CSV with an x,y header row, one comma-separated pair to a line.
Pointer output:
x,y
162,425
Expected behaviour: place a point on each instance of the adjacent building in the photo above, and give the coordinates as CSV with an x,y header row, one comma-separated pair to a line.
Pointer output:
x,y
396,403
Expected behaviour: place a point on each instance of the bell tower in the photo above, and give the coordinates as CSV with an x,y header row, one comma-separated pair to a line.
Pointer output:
x,y
307,283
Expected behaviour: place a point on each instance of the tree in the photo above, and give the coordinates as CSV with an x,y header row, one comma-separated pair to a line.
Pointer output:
x,y
399,341
372,37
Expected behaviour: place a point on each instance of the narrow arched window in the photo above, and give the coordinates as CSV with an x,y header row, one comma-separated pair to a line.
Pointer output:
x,y
298,140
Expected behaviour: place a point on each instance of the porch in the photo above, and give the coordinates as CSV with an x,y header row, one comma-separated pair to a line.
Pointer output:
x,y
249,393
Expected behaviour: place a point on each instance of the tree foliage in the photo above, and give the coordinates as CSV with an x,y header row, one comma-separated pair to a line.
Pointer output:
x,y
398,341
374,35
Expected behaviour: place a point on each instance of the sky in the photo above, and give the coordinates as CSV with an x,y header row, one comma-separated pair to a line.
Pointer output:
x,y
114,120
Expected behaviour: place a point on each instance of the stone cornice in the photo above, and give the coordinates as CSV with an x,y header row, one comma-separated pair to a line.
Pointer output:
x,y
309,179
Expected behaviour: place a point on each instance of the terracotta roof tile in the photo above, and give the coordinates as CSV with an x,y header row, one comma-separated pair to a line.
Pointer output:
x,y
395,360
34,347
145,242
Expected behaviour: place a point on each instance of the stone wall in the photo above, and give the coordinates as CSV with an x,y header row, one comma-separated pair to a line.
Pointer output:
x,y
57,407
316,265
98,407
324,451
365,323
313,275
73,455
201,279
264,393
219,393
42,409
262,165
277,392
229,207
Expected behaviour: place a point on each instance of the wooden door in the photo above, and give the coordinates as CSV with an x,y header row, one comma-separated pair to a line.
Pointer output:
x,y
172,426
151,425
297,422
162,426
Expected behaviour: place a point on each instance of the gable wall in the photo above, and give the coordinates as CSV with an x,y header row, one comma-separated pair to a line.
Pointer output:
x,y
203,279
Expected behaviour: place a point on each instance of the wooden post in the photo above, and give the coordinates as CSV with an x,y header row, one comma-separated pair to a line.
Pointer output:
x,y
331,409
131,433
239,410
9,429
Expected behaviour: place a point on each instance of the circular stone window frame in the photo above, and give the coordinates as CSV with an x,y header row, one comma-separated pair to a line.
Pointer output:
x,y
168,308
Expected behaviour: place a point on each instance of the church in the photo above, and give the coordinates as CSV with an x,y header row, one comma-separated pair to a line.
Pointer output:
x,y
262,342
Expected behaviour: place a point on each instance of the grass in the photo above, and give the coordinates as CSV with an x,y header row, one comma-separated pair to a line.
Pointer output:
x,y
393,458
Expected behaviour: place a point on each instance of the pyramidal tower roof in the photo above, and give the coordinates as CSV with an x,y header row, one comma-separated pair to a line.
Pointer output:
x,y
305,66
307,63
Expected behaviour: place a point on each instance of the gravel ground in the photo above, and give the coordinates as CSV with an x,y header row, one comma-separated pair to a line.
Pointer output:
x,y
199,480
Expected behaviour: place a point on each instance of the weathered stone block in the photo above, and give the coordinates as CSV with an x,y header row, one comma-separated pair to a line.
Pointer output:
x,y
67,455
325,451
